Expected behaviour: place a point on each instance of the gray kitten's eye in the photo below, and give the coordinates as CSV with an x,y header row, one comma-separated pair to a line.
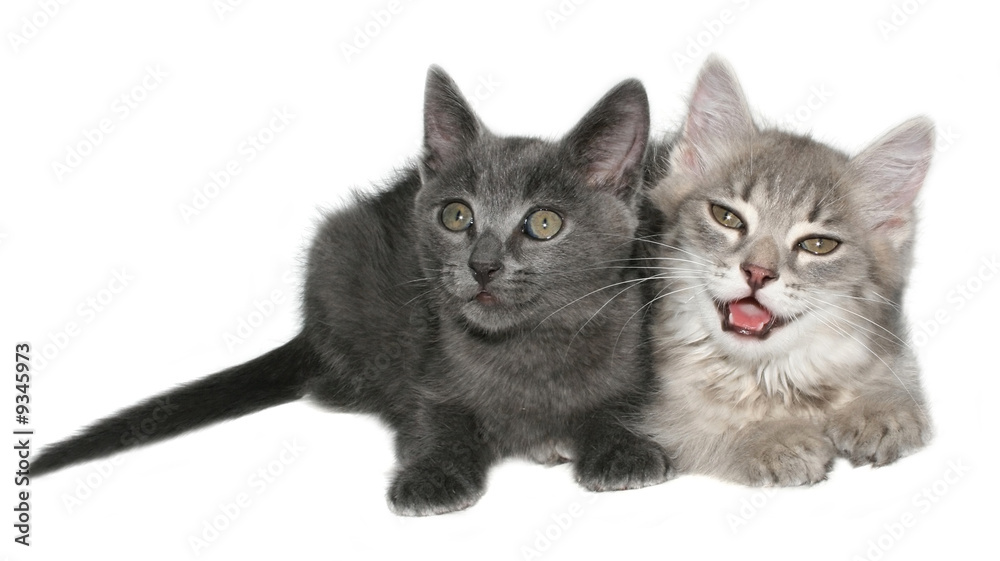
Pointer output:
x,y
726,217
456,216
819,246
542,224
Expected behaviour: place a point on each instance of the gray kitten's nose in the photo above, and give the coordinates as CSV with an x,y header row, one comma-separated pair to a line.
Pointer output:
x,y
486,258
758,276
483,271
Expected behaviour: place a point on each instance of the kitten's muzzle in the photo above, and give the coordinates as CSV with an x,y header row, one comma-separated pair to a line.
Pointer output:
x,y
486,259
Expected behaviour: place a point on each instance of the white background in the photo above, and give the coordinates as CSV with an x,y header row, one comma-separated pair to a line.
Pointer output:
x,y
830,68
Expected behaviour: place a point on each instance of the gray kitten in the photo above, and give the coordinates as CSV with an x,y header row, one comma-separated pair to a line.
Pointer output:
x,y
778,335
475,305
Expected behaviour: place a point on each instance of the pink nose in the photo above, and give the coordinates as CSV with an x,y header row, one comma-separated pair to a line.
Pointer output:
x,y
758,276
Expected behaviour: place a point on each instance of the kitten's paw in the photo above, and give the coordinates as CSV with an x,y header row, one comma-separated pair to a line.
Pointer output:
x,y
869,434
630,463
427,487
795,455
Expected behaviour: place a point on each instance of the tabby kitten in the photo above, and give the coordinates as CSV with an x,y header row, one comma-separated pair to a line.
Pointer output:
x,y
469,306
778,335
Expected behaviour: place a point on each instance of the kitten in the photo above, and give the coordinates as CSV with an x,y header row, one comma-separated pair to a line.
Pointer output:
x,y
778,335
470,307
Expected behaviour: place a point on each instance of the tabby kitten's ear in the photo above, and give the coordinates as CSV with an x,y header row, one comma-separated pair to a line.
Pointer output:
x,y
610,141
450,125
718,118
888,175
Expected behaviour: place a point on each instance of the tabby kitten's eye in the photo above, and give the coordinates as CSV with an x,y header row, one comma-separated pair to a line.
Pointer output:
x,y
726,217
819,246
542,224
456,216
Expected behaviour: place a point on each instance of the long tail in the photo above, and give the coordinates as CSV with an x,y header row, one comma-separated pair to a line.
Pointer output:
x,y
276,377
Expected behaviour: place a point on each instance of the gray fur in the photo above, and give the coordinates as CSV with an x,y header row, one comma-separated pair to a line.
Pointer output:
x,y
836,376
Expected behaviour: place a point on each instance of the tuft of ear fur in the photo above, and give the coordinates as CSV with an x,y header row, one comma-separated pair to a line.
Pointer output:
x,y
450,125
889,174
718,117
610,141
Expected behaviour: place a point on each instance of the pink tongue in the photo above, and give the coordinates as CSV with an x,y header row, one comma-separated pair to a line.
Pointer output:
x,y
748,314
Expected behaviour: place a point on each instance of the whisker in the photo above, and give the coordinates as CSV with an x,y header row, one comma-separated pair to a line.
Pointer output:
x,y
621,267
713,261
648,239
591,293
834,323
876,355
599,310
649,305
417,297
863,328
879,300
887,301
425,279
875,323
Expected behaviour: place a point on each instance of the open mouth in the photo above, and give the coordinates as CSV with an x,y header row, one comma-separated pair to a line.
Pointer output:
x,y
749,318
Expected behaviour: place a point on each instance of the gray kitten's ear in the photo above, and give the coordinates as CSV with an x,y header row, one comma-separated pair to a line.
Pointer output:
x,y
450,125
718,118
889,174
609,142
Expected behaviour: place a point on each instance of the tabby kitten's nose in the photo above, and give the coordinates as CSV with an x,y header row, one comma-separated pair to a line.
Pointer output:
x,y
758,276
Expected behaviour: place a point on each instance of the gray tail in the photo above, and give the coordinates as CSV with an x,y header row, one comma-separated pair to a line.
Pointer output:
x,y
276,377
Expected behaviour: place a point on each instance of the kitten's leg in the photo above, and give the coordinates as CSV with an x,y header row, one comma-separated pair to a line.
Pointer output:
x,y
782,452
444,461
611,456
879,427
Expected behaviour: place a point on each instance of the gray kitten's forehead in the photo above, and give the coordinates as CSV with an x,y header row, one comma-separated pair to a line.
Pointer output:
x,y
521,169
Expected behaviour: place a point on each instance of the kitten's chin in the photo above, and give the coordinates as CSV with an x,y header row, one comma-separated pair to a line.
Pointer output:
x,y
486,312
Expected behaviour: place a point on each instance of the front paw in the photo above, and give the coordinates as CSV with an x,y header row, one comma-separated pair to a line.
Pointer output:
x,y
872,433
429,487
628,463
785,456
